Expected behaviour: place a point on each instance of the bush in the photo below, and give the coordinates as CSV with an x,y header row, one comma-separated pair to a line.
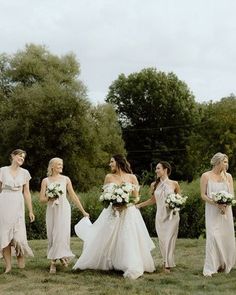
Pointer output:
x,y
36,229
192,216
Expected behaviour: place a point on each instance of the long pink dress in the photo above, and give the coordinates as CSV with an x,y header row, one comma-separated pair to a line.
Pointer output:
x,y
12,211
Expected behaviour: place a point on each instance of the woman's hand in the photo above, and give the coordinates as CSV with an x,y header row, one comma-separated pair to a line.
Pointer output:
x,y
86,214
31,217
138,206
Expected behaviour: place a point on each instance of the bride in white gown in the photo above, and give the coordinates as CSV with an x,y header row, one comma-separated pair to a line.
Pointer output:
x,y
118,239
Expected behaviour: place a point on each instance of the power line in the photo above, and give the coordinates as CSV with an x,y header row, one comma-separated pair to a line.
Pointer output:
x,y
156,150
167,127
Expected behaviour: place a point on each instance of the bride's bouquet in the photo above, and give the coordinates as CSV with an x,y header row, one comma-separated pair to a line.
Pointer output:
x,y
53,192
117,195
175,202
223,198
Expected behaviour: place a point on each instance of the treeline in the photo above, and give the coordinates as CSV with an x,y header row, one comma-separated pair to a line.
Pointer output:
x,y
161,120
150,115
44,109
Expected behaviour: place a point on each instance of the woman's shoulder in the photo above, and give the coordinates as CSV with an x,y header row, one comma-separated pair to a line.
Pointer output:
x,y
206,174
173,181
4,168
25,173
23,170
229,176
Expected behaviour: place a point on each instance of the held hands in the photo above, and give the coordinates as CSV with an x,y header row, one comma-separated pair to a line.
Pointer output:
x,y
31,217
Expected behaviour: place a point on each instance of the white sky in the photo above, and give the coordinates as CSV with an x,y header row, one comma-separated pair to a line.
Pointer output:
x,y
195,39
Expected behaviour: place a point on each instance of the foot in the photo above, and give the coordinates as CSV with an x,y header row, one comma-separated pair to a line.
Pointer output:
x,y
167,269
7,270
21,261
53,268
64,262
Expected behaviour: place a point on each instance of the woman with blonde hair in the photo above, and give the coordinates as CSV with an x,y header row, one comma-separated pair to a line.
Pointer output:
x,y
14,188
58,215
220,238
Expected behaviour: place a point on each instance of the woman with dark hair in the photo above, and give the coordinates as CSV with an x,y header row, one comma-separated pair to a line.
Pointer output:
x,y
118,239
167,225
14,188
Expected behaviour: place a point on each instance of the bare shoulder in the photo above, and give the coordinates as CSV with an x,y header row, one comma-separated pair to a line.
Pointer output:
x,y
44,180
205,175
229,176
67,178
152,184
174,183
108,178
133,178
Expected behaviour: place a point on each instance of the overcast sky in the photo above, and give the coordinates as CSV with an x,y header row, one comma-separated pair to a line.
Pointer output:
x,y
195,39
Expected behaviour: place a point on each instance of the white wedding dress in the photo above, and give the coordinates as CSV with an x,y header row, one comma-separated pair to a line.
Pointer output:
x,y
117,241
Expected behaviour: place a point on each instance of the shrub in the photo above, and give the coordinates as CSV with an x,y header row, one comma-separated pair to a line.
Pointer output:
x,y
192,223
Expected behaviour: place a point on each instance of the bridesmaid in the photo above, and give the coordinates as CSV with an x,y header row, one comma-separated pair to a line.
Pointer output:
x,y
58,217
14,188
166,227
220,240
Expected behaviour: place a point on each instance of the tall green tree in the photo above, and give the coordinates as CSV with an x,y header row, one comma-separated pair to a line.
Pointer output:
x,y
216,133
158,113
46,111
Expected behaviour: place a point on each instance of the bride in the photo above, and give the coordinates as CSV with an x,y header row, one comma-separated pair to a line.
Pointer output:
x,y
118,239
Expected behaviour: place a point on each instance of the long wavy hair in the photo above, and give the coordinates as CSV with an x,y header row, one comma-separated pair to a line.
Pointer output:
x,y
165,165
122,163
50,165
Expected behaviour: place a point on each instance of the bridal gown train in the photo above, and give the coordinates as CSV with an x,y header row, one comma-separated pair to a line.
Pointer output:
x,y
116,241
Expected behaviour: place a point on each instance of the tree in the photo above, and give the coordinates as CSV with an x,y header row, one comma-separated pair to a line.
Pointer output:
x,y
216,133
47,113
157,113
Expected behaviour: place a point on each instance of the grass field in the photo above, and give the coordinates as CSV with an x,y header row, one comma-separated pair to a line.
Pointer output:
x,y
186,278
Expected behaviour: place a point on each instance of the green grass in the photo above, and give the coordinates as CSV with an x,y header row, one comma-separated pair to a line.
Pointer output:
x,y
186,278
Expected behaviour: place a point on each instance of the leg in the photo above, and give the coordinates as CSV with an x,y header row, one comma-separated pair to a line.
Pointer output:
x,y
53,267
64,262
21,261
7,258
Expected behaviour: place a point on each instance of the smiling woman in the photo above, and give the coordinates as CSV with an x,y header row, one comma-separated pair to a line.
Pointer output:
x,y
54,189
14,186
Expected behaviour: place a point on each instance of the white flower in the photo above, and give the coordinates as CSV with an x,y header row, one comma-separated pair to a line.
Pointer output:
x,y
223,197
119,191
119,200
117,194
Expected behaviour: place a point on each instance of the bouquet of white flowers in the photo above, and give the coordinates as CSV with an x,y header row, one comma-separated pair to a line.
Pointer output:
x,y
53,192
175,202
223,197
117,195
